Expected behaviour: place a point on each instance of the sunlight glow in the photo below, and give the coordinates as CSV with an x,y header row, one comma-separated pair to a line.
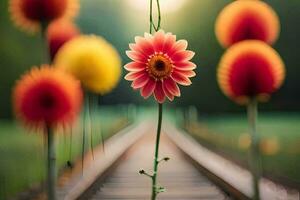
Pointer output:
x,y
166,5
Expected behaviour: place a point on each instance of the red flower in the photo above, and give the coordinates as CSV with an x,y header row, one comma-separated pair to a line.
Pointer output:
x,y
250,69
30,14
58,33
159,64
247,19
47,96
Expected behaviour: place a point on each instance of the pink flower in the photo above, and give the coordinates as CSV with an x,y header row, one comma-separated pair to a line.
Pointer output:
x,y
159,64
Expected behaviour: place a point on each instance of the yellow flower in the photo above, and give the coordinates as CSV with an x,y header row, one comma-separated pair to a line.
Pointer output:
x,y
92,60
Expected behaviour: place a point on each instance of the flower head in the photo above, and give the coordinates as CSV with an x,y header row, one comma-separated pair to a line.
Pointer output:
x,y
58,33
93,61
247,19
250,69
47,97
30,14
159,64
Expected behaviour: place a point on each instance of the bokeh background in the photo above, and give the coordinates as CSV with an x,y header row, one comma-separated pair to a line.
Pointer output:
x,y
203,110
120,20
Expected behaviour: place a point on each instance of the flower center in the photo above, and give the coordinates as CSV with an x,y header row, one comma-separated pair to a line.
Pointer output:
x,y
159,66
47,101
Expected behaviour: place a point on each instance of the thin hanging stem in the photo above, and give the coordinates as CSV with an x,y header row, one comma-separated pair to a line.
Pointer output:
x,y
152,24
151,18
51,165
254,151
91,106
101,133
156,160
69,163
102,140
159,15
84,132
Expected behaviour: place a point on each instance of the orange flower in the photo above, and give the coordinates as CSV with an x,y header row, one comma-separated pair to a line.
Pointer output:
x,y
58,33
47,97
30,14
247,19
250,69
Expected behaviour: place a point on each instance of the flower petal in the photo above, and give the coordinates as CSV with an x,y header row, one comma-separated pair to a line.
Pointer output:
x,y
182,56
167,92
178,46
159,94
148,36
136,56
187,73
158,41
135,66
169,42
148,89
144,45
184,66
170,85
133,47
133,75
141,81
180,78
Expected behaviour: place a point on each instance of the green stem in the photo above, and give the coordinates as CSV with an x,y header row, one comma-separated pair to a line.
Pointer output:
x,y
71,141
51,176
152,25
90,120
254,151
151,18
51,152
85,110
69,163
159,15
45,56
100,125
156,161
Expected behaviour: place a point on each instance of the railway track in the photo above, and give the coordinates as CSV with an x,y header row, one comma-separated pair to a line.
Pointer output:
x,y
192,173
180,178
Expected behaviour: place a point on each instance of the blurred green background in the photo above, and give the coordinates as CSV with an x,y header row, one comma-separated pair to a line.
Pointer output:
x,y
23,152
120,20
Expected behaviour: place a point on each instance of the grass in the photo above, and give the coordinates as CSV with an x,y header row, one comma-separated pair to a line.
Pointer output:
x,y
22,153
279,147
